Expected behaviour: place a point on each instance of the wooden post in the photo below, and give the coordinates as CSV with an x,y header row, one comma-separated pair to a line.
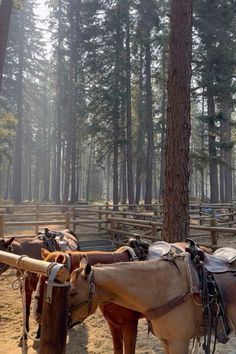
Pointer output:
x,y
36,229
214,234
55,320
231,217
154,229
100,218
74,218
2,224
67,220
200,214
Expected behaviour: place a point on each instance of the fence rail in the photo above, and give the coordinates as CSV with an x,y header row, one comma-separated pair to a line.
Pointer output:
x,y
103,220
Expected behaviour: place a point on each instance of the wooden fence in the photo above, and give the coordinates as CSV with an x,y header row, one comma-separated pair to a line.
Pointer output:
x,y
102,221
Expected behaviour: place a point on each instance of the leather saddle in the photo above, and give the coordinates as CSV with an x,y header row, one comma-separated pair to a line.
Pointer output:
x,y
163,249
53,240
158,249
216,282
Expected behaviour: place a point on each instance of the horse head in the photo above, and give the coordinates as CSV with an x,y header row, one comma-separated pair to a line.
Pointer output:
x,y
5,245
82,299
57,256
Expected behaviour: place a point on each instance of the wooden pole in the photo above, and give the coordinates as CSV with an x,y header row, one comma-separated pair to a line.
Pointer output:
x,y
54,320
67,220
214,234
2,224
74,218
37,219
200,214
100,218
35,266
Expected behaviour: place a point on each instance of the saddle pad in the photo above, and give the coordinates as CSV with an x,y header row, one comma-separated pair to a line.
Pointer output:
x,y
227,254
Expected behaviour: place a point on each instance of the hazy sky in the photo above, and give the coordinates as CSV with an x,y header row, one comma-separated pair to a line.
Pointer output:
x,y
42,12
41,9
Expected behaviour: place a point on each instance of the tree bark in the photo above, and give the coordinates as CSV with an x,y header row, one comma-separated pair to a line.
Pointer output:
x,y
128,108
5,14
176,188
17,167
214,197
140,131
149,121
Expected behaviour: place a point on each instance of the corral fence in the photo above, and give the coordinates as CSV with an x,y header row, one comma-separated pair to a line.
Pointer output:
x,y
115,222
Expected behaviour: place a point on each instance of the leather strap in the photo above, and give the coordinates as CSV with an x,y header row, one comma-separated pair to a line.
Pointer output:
x,y
165,308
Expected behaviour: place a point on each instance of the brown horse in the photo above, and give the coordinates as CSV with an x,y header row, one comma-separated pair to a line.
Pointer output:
x,y
32,248
122,321
168,305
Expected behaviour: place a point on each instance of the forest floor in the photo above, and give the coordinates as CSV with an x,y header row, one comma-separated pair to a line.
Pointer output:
x,y
91,337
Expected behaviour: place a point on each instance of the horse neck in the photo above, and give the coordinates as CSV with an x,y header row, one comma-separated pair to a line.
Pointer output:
x,y
26,247
95,257
127,284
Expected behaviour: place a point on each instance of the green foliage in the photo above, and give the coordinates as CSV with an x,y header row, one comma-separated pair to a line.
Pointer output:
x,y
7,132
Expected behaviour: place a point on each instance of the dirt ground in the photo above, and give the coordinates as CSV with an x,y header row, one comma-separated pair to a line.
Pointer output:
x,y
92,337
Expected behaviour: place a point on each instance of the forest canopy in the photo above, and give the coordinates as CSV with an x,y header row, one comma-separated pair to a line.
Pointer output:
x,y
84,99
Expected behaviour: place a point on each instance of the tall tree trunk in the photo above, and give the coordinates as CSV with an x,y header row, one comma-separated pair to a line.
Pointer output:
x,y
228,154
176,189
163,122
149,121
59,109
5,14
202,147
140,131
214,196
89,172
128,107
17,167
123,174
116,111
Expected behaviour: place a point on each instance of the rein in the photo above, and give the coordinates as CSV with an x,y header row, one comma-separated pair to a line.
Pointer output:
x,y
165,308
88,302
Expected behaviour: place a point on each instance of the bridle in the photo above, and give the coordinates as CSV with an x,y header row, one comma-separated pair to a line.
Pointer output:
x,y
88,302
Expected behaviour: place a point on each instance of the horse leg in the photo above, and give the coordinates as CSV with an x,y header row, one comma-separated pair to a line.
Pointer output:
x,y
38,334
175,346
195,348
117,338
28,297
178,346
130,335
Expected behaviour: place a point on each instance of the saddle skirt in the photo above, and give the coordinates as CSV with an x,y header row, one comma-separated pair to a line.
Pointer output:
x,y
223,260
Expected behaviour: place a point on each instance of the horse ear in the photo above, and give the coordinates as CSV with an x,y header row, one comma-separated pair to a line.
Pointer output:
x,y
86,271
60,259
9,242
44,253
83,261
86,267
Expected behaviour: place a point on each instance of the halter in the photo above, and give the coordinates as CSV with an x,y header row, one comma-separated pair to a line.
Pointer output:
x,y
88,302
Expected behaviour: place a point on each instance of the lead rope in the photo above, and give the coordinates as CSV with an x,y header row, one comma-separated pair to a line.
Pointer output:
x,y
24,331
21,280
